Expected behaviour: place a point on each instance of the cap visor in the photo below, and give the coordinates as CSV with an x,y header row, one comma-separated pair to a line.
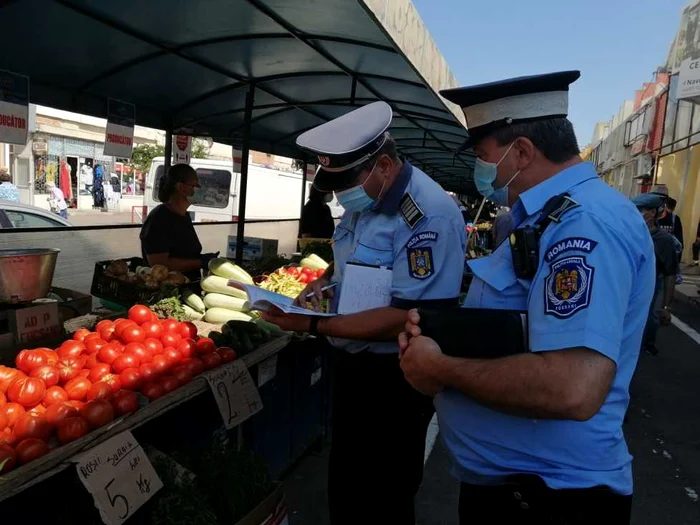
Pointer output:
x,y
333,181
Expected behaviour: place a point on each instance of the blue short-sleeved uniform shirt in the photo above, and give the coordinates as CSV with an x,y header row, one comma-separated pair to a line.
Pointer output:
x,y
416,230
592,289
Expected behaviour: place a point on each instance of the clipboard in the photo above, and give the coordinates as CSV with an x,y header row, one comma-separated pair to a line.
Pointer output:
x,y
364,287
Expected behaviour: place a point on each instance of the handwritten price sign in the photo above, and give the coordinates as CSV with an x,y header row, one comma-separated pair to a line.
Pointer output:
x,y
235,393
119,476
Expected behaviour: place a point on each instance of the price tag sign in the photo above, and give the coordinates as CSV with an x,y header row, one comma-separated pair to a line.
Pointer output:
x,y
267,370
119,476
235,393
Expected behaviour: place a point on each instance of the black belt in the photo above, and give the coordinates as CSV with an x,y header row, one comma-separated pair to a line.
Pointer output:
x,y
527,499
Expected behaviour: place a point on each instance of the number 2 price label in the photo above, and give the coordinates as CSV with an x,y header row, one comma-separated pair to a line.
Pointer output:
x,y
235,393
119,476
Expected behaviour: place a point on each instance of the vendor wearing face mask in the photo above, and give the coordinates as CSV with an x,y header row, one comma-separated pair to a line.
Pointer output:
x,y
397,217
536,437
316,218
168,236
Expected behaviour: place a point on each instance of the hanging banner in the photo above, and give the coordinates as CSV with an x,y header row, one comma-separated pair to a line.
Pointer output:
x,y
182,149
119,138
237,160
14,107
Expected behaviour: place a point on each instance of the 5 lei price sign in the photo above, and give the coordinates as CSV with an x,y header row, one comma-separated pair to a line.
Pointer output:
x,y
235,393
119,476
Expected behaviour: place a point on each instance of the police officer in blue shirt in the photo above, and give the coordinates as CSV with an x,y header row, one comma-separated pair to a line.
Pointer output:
x,y
397,217
537,437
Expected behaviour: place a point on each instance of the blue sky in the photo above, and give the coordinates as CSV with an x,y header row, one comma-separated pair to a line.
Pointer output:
x,y
616,44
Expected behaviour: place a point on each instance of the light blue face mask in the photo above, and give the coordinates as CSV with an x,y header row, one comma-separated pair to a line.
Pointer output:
x,y
485,175
355,199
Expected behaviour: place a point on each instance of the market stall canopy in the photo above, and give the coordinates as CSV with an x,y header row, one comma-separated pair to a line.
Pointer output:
x,y
187,66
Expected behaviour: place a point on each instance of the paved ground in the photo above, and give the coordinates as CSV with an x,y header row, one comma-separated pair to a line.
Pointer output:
x,y
663,433
98,218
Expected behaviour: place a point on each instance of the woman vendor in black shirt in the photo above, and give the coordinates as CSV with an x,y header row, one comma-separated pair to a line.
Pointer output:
x,y
316,219
168,236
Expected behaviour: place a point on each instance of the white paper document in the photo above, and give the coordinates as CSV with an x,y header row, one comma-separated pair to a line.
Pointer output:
x,y
364,288
264,300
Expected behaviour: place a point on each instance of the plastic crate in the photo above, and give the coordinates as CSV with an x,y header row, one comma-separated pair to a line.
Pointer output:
x,y
115,291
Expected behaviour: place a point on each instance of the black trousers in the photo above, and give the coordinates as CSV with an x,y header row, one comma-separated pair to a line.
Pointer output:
x,y
696,250
379,428
527,501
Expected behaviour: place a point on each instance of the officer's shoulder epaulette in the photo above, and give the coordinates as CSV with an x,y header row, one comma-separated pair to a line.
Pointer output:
x,y
410,211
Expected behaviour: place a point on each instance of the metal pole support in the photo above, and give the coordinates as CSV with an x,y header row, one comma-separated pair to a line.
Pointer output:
x,y
243,186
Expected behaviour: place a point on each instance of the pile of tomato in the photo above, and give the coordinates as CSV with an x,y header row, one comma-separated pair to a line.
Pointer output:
x,y
54,397
301,273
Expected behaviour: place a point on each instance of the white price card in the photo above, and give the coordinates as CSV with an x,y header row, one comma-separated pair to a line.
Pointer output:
x,y
119,476
235,393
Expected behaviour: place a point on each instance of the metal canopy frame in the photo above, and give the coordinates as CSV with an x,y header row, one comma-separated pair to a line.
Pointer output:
x,y
188,67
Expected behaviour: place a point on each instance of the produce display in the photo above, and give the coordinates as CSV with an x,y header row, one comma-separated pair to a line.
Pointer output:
x,y
243,335
55,396
291,280
151,277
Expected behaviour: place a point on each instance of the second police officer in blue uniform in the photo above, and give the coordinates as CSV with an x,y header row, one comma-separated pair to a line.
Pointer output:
x,y
397,217
537,437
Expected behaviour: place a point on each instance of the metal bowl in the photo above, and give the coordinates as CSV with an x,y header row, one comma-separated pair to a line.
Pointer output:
x,y
26,275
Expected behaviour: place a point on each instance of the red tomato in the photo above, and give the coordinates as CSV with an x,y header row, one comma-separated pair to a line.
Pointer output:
x,y
52,357
140,314
152,390
293,271
173,355
91,335
8,458
194,365
148,372
187,347
140,351
133,334
170,325
98,413
108,354
113,381
84,372
211,360
53,395
30,449
182,374
7,377
78,405
47,373
171,339
125,361
227,354
68,368
130,378
81,334
153,345
107,334
99,371
118,346
78,388
169,383
93,345
27,360
153,329
125,402
154,318
27,391
72,428
205,346
7,438
12,412
187,330
91,361
3,421
71,349
105,323
122,324
307,271
39,409
161,363
32,426
100,390
303,278
3,401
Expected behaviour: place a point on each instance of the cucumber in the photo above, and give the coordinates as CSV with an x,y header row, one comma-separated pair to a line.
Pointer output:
x,y
219,300
194,301
222,315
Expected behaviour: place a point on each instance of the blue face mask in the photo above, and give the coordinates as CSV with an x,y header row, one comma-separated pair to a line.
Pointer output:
x,y
355,199
485,175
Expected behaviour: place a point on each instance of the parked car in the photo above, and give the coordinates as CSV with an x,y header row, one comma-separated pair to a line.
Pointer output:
x,y
15,215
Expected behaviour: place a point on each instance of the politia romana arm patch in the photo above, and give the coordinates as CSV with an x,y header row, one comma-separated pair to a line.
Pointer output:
x,y
420,262
568,287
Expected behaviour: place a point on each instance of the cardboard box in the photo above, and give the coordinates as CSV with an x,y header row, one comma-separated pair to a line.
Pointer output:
x,y
253,247
272,510
32,325
74,304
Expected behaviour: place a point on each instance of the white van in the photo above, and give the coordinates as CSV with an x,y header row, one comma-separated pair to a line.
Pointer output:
x,y
271,194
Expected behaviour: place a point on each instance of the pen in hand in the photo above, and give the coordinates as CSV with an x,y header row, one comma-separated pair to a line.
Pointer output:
x,y
332,285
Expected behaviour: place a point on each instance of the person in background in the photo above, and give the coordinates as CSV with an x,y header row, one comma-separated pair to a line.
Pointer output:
x,y
168,236
316,219
502,226
651,207
696,246
57,201
8,191
671,223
